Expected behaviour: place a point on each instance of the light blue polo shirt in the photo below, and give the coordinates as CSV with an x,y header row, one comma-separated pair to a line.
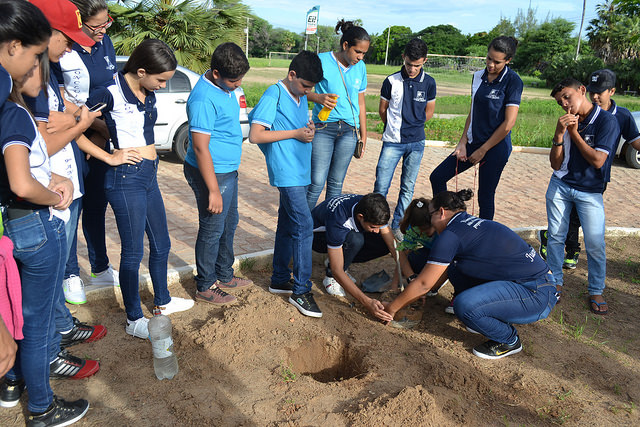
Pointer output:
x,y
215,112
288,160
355,76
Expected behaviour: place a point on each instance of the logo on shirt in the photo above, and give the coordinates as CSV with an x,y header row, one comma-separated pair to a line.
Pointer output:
x,y
531,254
473,221
110,66
494,94
590,140
421,96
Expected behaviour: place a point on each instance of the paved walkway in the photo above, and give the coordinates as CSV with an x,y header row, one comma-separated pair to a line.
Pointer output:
x,y
519,199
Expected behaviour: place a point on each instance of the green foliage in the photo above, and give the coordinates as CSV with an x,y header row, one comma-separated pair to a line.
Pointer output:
x,y
615,34
523,23
398,39
260,37
444,40
191,28
627,74
540,46
503,28
564,65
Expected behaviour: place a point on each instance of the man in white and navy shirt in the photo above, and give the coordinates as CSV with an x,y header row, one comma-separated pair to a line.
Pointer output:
x,y
407,101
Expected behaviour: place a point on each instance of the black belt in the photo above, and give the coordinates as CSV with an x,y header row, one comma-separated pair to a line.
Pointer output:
x,y
15,210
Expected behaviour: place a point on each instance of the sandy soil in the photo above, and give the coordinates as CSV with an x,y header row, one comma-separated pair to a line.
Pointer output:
x,y
262,363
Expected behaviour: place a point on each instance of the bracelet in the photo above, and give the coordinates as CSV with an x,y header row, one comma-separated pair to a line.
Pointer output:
x,y
59,194
412,278
555,144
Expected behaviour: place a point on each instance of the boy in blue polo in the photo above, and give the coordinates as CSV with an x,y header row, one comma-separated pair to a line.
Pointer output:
x,y
585,138
280,124
407,101
211,169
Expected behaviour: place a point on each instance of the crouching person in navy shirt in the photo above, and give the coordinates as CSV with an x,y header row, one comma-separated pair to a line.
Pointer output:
x,y
352,228
584,139
499,279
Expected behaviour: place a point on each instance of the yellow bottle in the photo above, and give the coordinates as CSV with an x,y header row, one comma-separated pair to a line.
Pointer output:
x,y
323,115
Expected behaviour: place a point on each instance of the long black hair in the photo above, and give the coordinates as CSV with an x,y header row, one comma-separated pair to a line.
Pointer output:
x,y
351,33
416,215
152,55
24,22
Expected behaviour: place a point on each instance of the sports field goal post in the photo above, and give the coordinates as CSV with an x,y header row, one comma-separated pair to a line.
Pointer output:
x,y
281,55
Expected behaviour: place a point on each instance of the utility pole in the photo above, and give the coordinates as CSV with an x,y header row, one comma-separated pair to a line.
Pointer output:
x,y
386,53
246,47
584,6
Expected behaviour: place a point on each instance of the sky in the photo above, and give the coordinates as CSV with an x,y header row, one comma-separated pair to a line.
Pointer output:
x,y
469,16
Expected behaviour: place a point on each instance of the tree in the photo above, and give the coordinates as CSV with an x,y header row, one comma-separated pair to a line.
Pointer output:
x,y
525,23
259,37
398,39
444,40
329,40
191,28
284,40
540,46
615,34
503,28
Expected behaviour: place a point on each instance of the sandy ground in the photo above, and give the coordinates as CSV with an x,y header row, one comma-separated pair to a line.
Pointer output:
x,y
261,363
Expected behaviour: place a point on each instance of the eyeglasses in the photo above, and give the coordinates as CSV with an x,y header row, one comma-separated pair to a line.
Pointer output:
x,y
99,28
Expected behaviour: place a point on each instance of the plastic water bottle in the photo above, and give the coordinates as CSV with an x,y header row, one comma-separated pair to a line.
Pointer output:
x,y
323,115
165,362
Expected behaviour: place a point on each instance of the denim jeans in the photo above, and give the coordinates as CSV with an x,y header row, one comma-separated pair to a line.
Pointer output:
x,y
561,198
390,155
94,208
40,246
294,236
214,244
492,307
132,191
331,152
489,172
357,247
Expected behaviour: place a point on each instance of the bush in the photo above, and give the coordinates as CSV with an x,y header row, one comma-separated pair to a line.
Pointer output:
x,y
564,65
627,74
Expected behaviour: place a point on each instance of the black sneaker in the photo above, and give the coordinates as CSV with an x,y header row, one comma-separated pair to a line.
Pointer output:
x,y
497,350
82,332
282,288
69,366
542,238
10,392
571,261
305,304
59,413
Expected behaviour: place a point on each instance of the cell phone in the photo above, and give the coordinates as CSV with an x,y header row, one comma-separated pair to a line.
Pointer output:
x,y
99,106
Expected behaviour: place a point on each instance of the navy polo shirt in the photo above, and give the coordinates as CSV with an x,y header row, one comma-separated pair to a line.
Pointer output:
x,y
336,217
82,71
600,131
129,120
6,84
628,130
486,250
407,100
40,107
489,101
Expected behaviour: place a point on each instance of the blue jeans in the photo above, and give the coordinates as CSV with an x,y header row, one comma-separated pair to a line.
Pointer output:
x,y
561,198
390,155
40,246
489,172
132,191
331,152
357,247
94,208
214,244
492,307
294,236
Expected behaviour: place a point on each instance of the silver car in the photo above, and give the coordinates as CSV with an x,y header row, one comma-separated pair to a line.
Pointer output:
x,y
626,151
171,129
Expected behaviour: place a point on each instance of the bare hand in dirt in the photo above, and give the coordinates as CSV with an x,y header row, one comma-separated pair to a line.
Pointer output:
x,y
215,202
328,100
8,348
128,156
376,308
461,152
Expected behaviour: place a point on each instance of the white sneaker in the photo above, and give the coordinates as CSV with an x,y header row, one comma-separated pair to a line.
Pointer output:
x,y
73,288
333,287
138,328
175,305
397,234
109,277
353,279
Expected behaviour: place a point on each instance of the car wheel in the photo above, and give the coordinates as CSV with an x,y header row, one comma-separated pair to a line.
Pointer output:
x,y
632,156
181,142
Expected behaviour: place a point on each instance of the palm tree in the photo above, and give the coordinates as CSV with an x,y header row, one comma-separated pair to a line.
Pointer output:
x,y
192,28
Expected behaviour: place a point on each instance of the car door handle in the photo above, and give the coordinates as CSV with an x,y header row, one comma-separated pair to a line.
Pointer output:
x,y
180,101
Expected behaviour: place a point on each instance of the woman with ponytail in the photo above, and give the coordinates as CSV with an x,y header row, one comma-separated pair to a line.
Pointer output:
x,y
345,77
498,278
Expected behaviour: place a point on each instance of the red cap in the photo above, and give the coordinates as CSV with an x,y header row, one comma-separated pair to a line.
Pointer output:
x,y
64,17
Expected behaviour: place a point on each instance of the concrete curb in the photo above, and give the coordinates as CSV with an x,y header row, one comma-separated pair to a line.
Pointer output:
x,y
176,275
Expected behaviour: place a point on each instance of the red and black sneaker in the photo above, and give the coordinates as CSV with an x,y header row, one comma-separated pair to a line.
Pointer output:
x,y
82,332
69,366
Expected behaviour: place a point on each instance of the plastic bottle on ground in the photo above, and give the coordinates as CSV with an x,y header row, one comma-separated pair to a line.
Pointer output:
x,y
165,362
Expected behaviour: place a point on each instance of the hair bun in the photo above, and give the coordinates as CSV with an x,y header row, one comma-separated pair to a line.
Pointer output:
x,y
465,194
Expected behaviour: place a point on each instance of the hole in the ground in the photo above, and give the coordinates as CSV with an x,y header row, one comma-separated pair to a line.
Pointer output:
x,y
327,360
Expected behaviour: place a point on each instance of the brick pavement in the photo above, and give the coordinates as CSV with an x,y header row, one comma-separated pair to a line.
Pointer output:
x,y
519,199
